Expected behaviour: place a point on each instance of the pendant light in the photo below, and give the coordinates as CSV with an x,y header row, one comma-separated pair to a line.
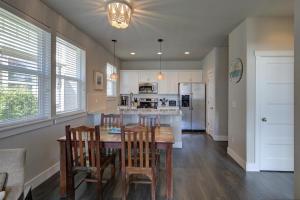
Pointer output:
x,y
160,75
114,75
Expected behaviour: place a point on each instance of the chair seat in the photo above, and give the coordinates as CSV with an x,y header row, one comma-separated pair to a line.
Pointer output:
x,y
105,161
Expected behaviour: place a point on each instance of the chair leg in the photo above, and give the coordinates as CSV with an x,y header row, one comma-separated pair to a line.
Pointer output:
x,y
99,190
113,168
153,188
120,159
124,187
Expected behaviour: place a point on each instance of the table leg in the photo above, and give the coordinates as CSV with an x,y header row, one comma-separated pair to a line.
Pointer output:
x,y
63,170
169,171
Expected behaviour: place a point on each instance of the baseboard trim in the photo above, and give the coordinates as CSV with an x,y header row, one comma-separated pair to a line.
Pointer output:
x,y
177,145
42,177
252,167
236,158
220,138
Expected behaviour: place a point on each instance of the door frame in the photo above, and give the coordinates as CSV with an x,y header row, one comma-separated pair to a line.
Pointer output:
x,y
210,75
258,56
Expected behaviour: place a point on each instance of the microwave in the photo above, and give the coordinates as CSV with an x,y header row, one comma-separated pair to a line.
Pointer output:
x,y
148,88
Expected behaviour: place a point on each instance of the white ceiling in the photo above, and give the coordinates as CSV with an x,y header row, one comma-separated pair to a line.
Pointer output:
x,y
186,25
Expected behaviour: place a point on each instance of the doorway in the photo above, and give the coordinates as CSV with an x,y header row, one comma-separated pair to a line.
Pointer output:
x,y
275,111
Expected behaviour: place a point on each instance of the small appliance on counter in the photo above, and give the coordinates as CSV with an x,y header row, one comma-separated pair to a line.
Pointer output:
x,y
148,88
164,102
148,103
124,100
172,103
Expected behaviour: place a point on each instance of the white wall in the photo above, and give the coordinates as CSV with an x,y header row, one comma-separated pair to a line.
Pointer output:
x,y
275,33
166,65
253,34
297,100
216,62
42,147
237,96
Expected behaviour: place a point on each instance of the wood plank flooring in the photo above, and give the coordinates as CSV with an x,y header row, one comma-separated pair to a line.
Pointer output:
x,y
202,171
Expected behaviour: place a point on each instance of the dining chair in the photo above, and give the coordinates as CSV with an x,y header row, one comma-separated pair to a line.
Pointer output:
x,y
111,120
84,155
149,120
138,158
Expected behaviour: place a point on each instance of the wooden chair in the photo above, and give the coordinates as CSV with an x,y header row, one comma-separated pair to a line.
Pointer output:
x,y
138,158
149,120
111,120
84,155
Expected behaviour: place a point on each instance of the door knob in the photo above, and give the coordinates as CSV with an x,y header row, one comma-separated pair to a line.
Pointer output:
x,y
264,119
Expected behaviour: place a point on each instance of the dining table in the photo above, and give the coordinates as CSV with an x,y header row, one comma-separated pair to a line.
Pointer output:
x,y
164,139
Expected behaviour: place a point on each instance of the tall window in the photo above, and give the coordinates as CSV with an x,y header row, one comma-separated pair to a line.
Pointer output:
x,y
70,77
111,85
24,70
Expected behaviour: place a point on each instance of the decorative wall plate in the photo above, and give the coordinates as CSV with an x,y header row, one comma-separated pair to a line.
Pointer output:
x,y
236,70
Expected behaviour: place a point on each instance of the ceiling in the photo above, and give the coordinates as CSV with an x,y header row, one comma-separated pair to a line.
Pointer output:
x,y
186,25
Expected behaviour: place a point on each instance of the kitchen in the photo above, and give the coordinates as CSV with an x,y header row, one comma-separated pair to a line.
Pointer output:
x,y
171,98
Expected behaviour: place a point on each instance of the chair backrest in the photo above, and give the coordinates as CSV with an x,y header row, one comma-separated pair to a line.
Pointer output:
x,y
83,146
111,120
138,146
149,120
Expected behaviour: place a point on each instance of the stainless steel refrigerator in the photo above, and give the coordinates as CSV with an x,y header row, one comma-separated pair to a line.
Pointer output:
x,y
192,105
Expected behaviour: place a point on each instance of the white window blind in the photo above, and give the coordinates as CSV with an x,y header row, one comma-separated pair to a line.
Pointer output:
x,y
24,70
70,77
111,85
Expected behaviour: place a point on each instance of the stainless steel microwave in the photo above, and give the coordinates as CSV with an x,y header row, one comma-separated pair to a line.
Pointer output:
x,y
148,88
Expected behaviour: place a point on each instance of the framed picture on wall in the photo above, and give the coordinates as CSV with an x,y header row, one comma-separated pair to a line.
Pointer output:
x,y
98,81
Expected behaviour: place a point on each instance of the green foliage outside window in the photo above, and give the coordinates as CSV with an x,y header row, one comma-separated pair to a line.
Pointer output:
x,y
17,103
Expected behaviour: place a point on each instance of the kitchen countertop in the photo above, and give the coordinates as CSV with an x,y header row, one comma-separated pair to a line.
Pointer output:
x,y
150,111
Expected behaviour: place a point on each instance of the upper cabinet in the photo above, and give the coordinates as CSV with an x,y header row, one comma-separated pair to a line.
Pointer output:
x,y
170,83
146,76
129,81
189,76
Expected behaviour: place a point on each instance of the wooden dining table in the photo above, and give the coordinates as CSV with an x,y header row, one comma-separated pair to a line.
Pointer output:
x,y
164,139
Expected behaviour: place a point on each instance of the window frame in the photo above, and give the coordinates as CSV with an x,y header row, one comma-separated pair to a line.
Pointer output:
x,y
41,117
114,69
59,116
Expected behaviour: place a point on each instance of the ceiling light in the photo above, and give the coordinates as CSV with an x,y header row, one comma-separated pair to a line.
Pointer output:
x,y
132,53
119,13
160,75
114,75
187,53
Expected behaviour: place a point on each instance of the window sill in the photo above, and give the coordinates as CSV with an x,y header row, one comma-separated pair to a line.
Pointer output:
x,y
24,127
21,128
69,116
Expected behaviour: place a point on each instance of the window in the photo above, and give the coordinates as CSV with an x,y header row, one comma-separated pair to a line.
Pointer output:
x,y
70,77
111,85
24,70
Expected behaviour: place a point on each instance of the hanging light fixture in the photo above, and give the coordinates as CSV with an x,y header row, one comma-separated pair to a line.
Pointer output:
x,y
114,75
119,13
160,75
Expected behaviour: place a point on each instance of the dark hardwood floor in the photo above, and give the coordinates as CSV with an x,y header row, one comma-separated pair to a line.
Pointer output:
x,y
202,171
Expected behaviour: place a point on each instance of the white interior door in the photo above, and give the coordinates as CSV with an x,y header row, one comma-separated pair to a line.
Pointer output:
x,y
210,102
275,112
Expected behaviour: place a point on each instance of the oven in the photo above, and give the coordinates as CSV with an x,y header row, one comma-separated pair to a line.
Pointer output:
x,y
148,88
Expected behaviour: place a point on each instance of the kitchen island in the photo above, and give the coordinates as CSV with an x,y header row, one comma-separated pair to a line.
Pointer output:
x,y
170,116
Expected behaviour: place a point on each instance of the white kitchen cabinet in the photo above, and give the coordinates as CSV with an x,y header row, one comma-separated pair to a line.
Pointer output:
x,y
170,84
148,76
129,81
197,76
184,76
